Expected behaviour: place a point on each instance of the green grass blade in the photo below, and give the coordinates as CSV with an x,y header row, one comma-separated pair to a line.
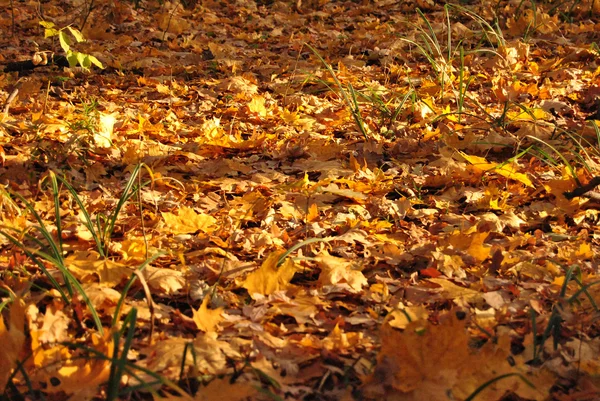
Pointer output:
x,y
125,290
128,192
88,220
343,92
494,380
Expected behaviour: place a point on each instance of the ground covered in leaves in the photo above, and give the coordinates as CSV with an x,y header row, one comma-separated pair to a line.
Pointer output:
x,y
321,201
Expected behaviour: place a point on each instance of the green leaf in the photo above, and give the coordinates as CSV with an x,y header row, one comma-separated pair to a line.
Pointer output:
x,y
77,34
72,58
84,60
65,42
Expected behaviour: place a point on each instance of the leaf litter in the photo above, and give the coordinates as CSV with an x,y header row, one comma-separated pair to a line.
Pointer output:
x,y
337,200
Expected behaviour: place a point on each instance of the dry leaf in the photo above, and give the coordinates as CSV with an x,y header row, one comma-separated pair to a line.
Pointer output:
x,y
269,277
336,270
207,319
187,221
12,339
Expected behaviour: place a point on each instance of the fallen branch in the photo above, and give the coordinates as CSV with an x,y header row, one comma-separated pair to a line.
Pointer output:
x,y
585,190
27,65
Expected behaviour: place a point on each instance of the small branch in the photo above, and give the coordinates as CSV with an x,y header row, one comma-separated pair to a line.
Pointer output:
x,y
585,190
10,100
27,65
87,15
12,18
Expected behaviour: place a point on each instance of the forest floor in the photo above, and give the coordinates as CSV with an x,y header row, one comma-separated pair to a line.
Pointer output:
x,y
318,201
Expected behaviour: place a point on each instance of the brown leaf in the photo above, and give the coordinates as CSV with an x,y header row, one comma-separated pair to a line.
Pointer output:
x,y
336,270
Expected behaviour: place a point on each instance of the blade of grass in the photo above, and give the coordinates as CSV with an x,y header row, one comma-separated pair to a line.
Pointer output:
x,y
355,113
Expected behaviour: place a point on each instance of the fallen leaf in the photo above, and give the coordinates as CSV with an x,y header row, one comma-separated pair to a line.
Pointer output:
x,y
336,270
207,319
12,339
269,277
428,362
187,221
87,264
507,170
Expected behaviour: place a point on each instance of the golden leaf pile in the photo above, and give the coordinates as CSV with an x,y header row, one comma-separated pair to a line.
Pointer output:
x,y
325,200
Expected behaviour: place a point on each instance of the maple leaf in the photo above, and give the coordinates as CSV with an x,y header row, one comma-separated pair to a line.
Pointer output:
x,y
270,278
166,281
55,324
187,221
340,340
104,136
257,106
12,340
336,270
453,291
506,170
86,264
224,390
209,355
428,362
207,319
75,374
251,148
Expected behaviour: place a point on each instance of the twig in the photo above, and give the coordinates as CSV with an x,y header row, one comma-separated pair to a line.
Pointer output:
x,y
26,65
10,100
169,22
150,302
89,11
585,190
12,18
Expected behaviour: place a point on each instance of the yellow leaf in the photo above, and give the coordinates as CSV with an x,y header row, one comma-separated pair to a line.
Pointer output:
x,y
104,134
207,319
87,264
449,115
163,280
187,221
478,249
529,115
257,106
401,318
75,374
507,170
269,278
289,117
304,183
340,340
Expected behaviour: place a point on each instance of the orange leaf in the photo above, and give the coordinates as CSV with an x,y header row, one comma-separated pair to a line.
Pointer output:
x,y
269,278
428,362
187,221
11,340
86,264
207,319
506,170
